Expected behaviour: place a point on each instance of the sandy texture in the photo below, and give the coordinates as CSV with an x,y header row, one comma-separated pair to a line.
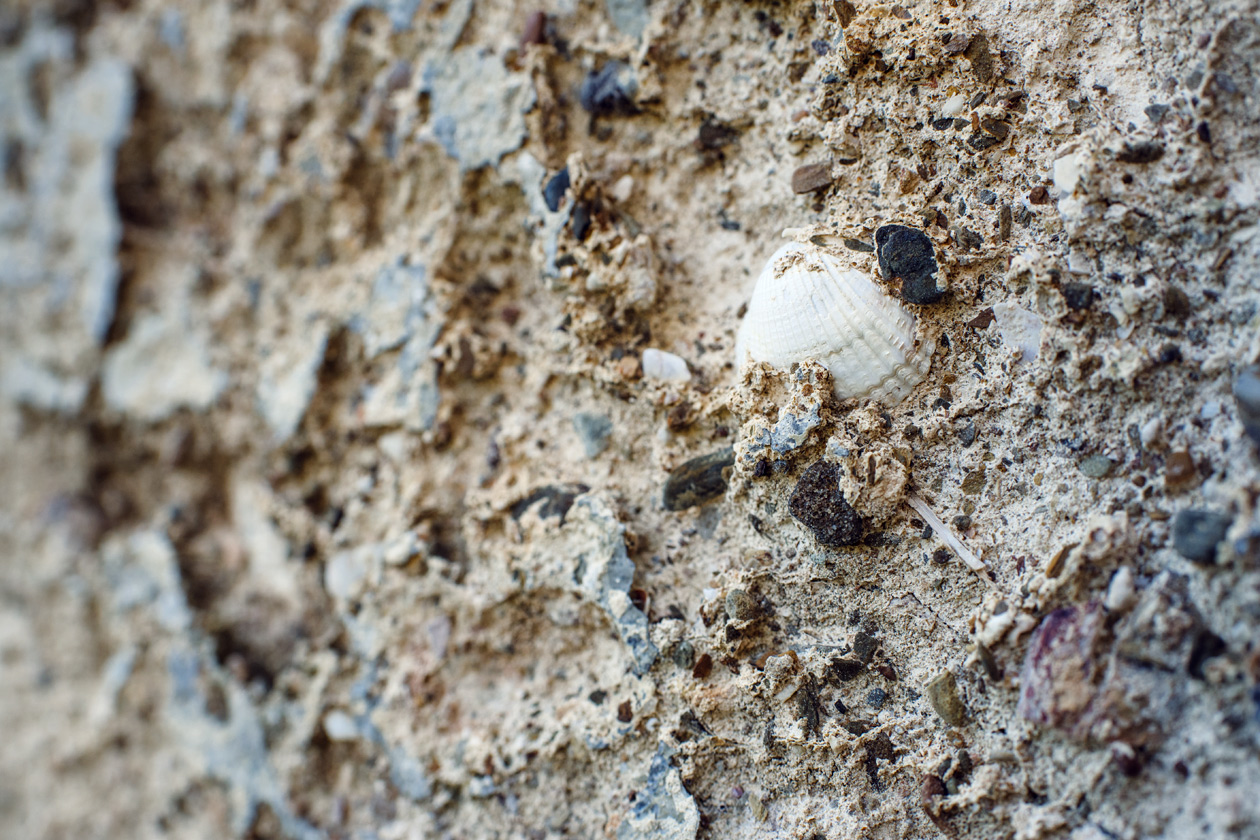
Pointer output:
x,y
342,496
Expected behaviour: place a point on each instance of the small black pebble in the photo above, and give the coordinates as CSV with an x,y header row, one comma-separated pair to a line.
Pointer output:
x,y
962,522
1078,296
1146,151
818,504
943,123
714,134
841,709
581,221
1169,354
941,556
845,669
967,434
1206,645
907,253
1205,133
876,698
554,192
1197,533
988,197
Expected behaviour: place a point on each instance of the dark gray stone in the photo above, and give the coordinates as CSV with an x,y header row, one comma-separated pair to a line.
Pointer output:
x,y
1197,533
1078,296
594,430
907,254
699,480
1247,396
554,192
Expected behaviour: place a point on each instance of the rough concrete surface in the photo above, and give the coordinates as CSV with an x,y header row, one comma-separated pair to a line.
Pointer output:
x,y
375,461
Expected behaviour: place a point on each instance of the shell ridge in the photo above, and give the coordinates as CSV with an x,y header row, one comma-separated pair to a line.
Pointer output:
x,y
858,303
859,347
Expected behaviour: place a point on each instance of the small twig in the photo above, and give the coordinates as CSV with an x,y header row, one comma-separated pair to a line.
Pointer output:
x,y
947,536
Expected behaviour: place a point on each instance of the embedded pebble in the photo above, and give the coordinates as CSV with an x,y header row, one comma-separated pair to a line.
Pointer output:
x,y
818,504
699,480
1122,591
740,606
907,254
554,192
1144,151
609,90
1078,296
942,692
1247,396
1197,533
665,367
595,431
1179,470
1057,681
811,177
1097,466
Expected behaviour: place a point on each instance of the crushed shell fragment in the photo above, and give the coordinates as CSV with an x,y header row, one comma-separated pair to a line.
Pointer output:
x,y
808,304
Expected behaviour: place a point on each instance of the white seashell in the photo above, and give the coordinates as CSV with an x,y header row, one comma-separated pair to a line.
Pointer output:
x,y
808,304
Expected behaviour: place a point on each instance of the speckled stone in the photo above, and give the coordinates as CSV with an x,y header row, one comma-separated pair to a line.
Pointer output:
x,y
740,606
1096,466
942,692
818,504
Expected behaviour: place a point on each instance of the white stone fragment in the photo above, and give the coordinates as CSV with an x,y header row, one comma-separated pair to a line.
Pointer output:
x,y
1151,431
160,368
664,367
1122,592
268,551
1211,410
955,105
478,106
288,382
1078,262
339,726
23,381
1067,173
1020,329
